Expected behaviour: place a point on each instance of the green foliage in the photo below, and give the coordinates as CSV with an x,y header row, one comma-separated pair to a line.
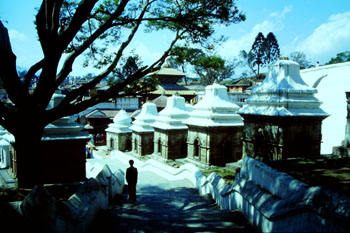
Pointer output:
x,y
258,49
212,68
272,50
341,57
264,51
209,68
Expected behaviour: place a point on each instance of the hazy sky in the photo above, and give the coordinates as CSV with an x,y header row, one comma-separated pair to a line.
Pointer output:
x,y
319,28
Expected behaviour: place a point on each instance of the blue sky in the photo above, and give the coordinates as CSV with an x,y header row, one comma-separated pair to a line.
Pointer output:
x,y
319,28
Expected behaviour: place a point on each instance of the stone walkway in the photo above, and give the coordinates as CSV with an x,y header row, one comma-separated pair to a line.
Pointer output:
x,y
159,209
164,206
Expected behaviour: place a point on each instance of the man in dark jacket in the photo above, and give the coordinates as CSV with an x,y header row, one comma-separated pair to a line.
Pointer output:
x,y
131,178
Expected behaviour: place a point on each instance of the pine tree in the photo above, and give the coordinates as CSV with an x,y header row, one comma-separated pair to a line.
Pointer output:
x,y
264,50
258,49
272,50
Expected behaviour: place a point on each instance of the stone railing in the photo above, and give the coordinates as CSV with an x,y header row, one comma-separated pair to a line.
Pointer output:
x,y
45,213
275,202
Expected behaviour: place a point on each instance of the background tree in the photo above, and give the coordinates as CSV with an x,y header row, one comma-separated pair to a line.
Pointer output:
x,y
209,68
272,50
264,51
341,57
300,57
258,50
182,56
89,27
212,68
248,60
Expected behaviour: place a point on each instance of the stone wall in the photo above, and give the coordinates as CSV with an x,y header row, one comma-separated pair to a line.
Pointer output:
x,y
142,142
217,145
344,149
274,138
45,213
119,141
275,202
173,143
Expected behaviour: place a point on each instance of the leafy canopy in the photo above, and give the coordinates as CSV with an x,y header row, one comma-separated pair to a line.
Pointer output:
x,y
100,31
209,68
341,57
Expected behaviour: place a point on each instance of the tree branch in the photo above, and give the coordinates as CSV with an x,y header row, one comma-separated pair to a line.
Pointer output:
x,y
75,93
8,72
31,72
68,64
80,16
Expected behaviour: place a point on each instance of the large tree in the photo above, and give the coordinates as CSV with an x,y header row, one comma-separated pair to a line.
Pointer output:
x,y
264,51
208,67
212,68
102,30
258,50
272,49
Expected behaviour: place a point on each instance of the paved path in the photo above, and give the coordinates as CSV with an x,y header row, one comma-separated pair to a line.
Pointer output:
x,y
169,210
164,206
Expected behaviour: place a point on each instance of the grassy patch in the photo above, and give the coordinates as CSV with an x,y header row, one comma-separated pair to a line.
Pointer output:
x,y
330,172
224,173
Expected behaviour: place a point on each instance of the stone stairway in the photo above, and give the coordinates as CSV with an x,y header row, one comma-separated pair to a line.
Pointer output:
x,y
162,209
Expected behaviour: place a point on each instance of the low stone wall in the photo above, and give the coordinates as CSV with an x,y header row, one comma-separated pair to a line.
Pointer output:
x,y
275,202
271,200
47,214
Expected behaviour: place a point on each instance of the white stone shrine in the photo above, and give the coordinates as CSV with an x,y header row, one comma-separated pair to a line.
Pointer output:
x,y
170,133
63,148
142,130
214,128
282,118
119,132
5,148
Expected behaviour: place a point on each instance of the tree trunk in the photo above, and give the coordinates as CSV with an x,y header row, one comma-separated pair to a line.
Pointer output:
x,y
28,155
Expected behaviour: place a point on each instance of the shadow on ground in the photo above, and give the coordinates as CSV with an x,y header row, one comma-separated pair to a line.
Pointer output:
x,y
168,210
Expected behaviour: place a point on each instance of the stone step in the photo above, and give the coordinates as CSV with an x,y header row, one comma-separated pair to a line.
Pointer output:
x,y
175,210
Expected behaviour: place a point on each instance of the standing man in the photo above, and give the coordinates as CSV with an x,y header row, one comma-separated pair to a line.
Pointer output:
x,y
131,178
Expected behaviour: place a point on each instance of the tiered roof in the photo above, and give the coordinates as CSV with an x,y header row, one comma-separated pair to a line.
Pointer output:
x,y
146,118
215,109
173,115
121,123
283,93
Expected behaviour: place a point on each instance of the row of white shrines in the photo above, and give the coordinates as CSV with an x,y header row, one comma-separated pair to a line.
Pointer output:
x,y
281,119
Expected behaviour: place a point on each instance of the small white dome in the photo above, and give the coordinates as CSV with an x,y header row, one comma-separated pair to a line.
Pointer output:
x,y
146,117
215,109
122,117
121,123
172,116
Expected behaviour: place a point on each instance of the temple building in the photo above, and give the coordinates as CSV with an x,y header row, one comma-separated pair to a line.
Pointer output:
x,y
282,118
64,143
119,132
214,129
168,78
142,130
170,134
97,123
6,140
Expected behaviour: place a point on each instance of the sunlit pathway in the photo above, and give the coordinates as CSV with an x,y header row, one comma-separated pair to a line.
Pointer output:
x,y
164,206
